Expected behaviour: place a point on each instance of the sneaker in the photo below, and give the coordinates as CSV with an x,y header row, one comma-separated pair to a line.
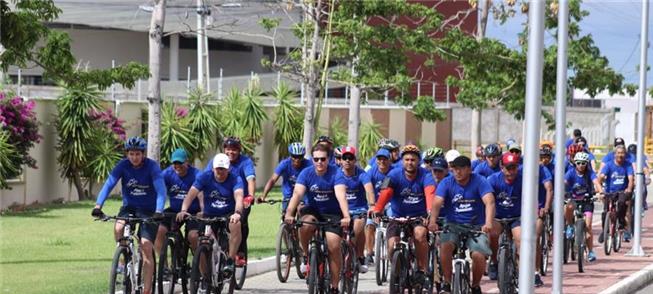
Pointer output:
x,y
120,269
241,261
229,268
493,271
477,290
569,232
362,265
370,259
591,256
334,291
538,280
627,236
446,289
601,238
283,259
304,267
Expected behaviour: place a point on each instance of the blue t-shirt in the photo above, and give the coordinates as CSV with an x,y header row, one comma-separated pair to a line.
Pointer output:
x,y
508,196
569,142
355,187
408,198
219,197
543,177
242,167
485,170
177,188
632,158
465,202
319,190
371,163
376,177
579,184
617,176
286,170
138,184
476,162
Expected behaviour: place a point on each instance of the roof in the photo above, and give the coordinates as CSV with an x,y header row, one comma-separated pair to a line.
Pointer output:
x,y
228,20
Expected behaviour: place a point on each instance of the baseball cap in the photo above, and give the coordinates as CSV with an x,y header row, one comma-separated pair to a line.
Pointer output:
x,y
514,146
439,163
383,152
451,155
349,150
461,161
221,160
619,141
509,159
179,155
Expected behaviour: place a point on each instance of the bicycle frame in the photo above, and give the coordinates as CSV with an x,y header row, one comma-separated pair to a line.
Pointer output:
x,y
318,242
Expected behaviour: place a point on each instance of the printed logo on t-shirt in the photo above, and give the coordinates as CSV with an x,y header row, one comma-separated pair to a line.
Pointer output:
x,y
220,201
504,200
136,189
617,179
410,197
177,192
461,204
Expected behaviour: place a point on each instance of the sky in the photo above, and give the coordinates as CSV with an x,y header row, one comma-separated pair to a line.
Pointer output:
x,y
614,25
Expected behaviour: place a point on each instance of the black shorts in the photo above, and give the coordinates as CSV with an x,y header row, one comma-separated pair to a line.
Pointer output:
x,y
336,228
394,229
145,230
189,225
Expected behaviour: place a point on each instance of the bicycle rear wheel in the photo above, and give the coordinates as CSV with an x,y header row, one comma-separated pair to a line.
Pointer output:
x,y
119,280
167,267
506,271
607,234
566,251
283,249
397,272
241,274
544,249
202,271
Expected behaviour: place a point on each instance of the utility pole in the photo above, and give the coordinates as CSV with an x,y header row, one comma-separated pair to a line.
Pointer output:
x,y
154,83
202,47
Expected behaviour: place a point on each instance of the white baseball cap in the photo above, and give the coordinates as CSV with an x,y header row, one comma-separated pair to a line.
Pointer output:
x,y
451,155
221,160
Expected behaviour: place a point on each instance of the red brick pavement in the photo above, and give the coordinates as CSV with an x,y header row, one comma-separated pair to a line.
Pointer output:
x,y
602,273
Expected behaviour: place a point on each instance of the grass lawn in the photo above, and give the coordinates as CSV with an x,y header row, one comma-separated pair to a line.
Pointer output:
x,y
60,249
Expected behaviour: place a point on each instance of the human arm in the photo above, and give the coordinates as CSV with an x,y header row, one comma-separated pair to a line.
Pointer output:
x,y
344,206
490,210
297,195
238,197
106,189
268,186
193,192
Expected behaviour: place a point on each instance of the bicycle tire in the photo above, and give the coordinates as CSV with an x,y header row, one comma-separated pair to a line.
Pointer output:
x,y
283,270
380,258
182,258
457,286
349,280
231,281
167,264
385,262
433,267
241,274
297,251
397,272
505,271
313,272
607,234
618,236
544,251
121,256
580,243
199,280
566,250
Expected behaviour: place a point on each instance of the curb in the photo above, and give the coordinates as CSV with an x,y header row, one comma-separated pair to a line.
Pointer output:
x,y
633,282
261,266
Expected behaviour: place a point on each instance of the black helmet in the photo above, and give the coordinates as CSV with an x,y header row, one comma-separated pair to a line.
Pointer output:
x,y
492,150
632,148
546,150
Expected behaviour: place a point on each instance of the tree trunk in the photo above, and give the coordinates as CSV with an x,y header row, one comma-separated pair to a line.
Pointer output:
x,y
354,116
476,113
312,74
154,83
77,181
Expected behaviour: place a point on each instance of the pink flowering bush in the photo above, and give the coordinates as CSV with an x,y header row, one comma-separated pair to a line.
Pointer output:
x,y
18,119
110,121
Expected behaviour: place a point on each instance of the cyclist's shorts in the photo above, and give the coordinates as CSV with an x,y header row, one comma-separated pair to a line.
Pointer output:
x,y
514,224
394,229
145,230
588,210
309,210
479,244
189,225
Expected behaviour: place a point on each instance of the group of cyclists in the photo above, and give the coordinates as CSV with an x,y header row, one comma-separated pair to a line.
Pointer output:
x,y
326,183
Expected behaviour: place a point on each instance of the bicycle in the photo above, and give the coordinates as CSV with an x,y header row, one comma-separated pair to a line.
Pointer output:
x,y
404,261
319,272
613,229
435,266
580,201
461,283
545,243
381,251
173,260
507,278
287,248
349,272
210,258
125,276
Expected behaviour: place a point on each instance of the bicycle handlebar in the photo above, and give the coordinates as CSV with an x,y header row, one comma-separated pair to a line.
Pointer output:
x,y
128,219
273,201
217,219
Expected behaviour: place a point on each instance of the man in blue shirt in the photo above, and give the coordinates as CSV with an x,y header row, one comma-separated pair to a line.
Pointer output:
x,y
471,202
143,195
222,195
322,204
179,177
491,163
354,184
393,147
289,169
410,191
610,156
618,177
377,175
577,133
480,156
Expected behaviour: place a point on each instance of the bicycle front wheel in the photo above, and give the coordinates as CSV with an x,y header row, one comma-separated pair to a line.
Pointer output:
x,y
119,280
506,268
607,234
167,267
397,272
380,256
283,255
580,243
313,272
201,273
544,250
457,285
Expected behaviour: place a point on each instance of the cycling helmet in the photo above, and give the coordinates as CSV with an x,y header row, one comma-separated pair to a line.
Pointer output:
x,y
135,143
546,150
581,139
581,156
632,148
337,152
232,142
410,148
433,152
439,163
573,149
388,144
492,150
324,139
451,155
296,149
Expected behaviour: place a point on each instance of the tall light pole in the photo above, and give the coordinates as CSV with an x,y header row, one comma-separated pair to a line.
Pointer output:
x,y
531,149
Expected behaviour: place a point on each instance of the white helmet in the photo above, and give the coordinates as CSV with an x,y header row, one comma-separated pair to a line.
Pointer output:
x,y
451,155
582,156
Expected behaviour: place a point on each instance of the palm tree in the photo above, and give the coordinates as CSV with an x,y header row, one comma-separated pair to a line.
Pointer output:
x,y
8,156
287,120
370,136
204,122
175,131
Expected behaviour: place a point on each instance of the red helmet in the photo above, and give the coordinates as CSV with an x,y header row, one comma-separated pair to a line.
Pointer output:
x,y
573,149
509,159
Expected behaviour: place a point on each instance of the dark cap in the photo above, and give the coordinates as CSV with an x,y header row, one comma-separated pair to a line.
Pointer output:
x,y
577,133
461,161
619,141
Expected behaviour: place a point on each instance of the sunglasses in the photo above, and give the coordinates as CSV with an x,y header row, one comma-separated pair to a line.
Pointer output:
x,y
581,163
297,157
220,168
349,158
511,167
319,159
